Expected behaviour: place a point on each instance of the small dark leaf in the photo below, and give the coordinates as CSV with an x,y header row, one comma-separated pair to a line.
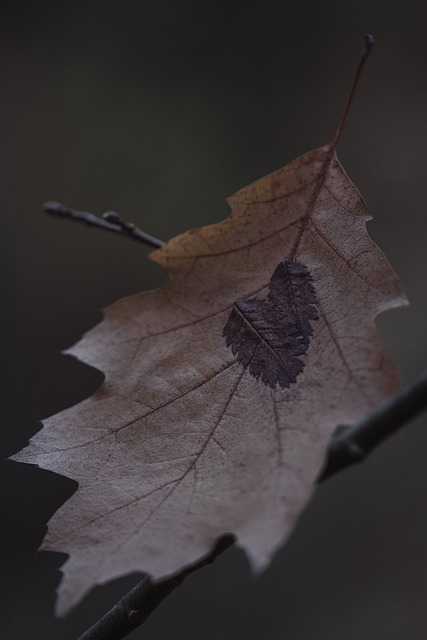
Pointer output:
x,y
270,336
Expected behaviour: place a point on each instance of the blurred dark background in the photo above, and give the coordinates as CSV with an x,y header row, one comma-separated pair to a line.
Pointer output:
x,y
160,110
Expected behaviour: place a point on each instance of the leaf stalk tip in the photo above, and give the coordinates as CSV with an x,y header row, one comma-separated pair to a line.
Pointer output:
x,y
368,43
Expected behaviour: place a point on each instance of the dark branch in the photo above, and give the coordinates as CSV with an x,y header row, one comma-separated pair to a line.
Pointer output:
x,y
352,444
110,221
349,445
135,607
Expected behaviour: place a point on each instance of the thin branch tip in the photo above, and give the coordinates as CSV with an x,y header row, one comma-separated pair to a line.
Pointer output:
x,y
56,208
109,221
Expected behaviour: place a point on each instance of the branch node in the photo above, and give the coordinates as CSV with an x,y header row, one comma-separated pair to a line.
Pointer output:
x,y
136,617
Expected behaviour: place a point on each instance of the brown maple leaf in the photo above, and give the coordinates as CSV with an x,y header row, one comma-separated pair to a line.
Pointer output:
x,y
223,388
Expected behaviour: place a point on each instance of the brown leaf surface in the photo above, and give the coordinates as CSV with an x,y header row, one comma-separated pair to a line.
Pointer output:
x,y
183,443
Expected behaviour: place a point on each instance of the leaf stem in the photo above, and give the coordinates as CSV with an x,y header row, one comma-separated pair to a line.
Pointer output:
x,y
350,445
368,43
110,221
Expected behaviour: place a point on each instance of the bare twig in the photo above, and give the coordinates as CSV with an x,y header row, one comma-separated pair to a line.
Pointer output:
x,y
110,221
350,445
135,607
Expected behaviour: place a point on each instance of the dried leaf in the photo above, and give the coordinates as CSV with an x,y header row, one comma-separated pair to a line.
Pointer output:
x,y
223,388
